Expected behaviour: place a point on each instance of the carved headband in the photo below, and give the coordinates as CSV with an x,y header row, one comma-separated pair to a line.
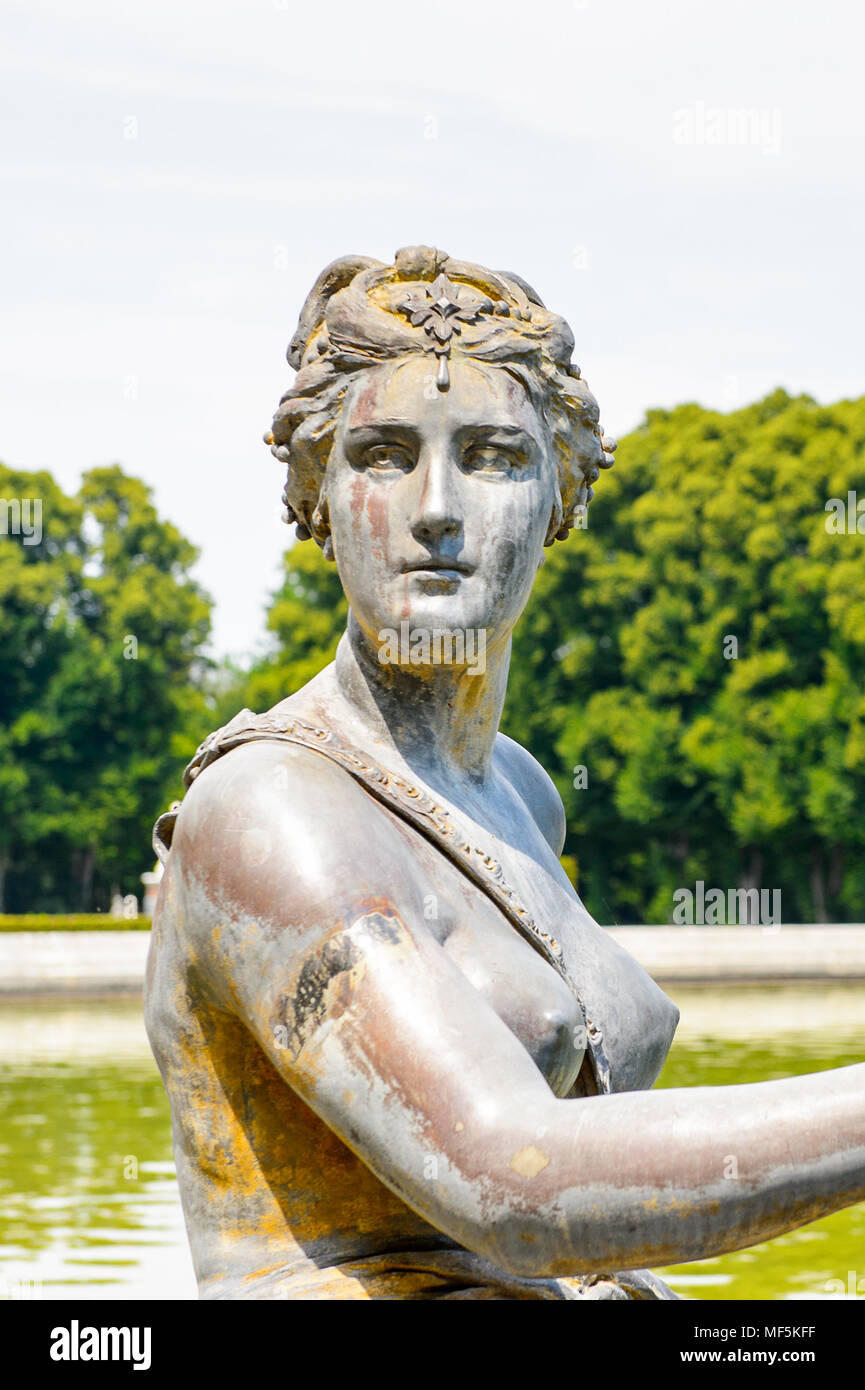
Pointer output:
x,y
439,310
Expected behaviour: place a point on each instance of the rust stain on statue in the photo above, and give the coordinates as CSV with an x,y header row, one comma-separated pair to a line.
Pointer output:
x,y
530,1161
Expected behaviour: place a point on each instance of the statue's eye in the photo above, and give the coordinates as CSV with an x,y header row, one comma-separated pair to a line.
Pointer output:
x,y
388,456
490,458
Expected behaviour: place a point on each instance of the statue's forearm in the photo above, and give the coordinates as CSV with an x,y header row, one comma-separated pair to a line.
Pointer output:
x,y
645,1179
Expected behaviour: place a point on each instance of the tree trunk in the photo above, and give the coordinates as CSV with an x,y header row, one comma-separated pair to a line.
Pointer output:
x,y
754,873
818,886
4,864
836,870
88,864
680,847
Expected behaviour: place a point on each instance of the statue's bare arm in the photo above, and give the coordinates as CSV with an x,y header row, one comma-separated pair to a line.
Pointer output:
x,y
307,925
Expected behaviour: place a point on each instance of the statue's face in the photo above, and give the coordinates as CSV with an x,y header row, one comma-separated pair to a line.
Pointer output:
x,y
439,502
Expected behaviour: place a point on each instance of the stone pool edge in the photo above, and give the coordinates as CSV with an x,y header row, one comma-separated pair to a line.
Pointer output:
x,y
109,962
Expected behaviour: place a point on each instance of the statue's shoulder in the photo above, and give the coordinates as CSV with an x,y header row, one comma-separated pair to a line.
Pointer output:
x,y
536,788
269,833
238,768
275,788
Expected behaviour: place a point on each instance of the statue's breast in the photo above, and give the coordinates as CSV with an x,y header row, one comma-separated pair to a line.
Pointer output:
x,y
526,993
634,1020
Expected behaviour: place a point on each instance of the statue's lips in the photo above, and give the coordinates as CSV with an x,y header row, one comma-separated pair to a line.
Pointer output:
x,y
442,567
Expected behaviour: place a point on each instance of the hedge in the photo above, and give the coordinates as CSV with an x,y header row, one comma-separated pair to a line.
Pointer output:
x,y
83,921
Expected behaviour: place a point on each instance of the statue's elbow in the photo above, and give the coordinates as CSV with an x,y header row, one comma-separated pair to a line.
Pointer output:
x,y
521,1244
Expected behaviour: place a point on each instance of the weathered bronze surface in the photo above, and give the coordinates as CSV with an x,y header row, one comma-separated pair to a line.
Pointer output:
x,y
403,1061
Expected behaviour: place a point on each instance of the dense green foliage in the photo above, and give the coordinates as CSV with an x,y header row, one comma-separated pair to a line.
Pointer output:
x,y
738,770
100,687
700,764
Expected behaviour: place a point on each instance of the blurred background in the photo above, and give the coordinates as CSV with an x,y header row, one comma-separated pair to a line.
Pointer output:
x,y
686,187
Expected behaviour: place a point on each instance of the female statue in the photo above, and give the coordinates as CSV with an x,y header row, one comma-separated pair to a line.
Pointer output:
x,y
403,1061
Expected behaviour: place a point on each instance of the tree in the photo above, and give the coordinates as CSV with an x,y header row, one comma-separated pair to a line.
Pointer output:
x,y
710,675
101,686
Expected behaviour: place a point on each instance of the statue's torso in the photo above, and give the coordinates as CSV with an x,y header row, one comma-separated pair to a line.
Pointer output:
x,y
268,1189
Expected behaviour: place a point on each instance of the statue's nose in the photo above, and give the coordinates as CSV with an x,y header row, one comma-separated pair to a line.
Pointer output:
x,y
438,511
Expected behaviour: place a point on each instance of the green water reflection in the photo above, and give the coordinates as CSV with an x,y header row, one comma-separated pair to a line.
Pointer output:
x,y
88,1198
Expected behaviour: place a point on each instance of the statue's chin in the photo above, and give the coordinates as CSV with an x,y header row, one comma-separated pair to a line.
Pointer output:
x,y
424,649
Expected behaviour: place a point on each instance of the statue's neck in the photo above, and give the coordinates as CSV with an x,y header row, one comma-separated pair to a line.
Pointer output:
x,y
442,719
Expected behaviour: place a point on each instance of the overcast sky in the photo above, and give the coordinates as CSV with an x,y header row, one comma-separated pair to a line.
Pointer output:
x,y
683,182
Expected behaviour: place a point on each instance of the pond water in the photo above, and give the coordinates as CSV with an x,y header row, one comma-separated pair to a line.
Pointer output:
x,y
88,1197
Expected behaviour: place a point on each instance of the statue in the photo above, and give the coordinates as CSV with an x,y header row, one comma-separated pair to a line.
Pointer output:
x,y
402,1059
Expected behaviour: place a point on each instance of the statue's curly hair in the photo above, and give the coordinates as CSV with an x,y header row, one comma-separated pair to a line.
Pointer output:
x,y
353,320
